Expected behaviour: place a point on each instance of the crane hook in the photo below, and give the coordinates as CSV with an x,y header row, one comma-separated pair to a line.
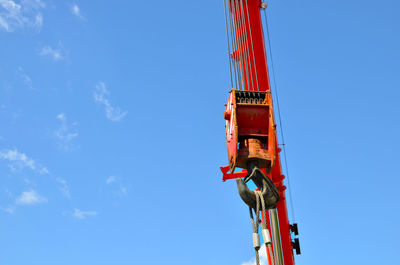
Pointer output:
x,y
264,184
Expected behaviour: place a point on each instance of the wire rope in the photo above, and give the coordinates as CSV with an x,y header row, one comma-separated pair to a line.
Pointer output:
x,y
239,34
238,42
279,116
234,46
227,41
248,59
255,224
252,47
270,255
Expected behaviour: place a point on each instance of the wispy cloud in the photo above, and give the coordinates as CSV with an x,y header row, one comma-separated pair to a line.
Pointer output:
x,y
43,171
263,258
25,78
64,187
111,179
18,161
8,193
21,14
79,214
76,11
55,53
22,166
30,198
64,134
9,209
100,96
114,181
18,158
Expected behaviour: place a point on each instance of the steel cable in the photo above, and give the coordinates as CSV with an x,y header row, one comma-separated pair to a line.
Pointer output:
x,y
241,46
252,46
227,41
279,116
234,47
268,246
246,42
255,225
238,44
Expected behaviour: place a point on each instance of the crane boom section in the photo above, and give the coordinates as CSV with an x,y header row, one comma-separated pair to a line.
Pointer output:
x,y
252,141
249,39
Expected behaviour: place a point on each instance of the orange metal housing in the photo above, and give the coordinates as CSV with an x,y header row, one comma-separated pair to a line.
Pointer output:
x,y
250,129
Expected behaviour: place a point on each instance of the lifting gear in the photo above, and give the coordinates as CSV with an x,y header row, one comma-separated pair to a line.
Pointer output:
x,y
266,187
265,232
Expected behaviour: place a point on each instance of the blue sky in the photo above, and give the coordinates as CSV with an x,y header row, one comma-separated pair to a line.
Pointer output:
x,y
111,132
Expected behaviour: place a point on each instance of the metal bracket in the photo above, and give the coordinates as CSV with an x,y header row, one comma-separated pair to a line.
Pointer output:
x,y
296,246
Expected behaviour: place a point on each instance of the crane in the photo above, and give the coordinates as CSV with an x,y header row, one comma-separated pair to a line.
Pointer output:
x,y
251,133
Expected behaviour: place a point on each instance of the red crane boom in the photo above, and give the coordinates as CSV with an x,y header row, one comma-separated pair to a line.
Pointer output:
x,y
250,125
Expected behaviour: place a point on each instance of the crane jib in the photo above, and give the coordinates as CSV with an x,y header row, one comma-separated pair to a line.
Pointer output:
x,y
252,141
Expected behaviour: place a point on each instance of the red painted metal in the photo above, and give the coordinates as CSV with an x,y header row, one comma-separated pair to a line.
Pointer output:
x,y
284,226
245,122
250,129
249,31
234,175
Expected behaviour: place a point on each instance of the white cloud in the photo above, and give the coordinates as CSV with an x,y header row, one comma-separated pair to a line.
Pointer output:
x,y
55,53
38,21
8,193
76,11
25,78
21,14
123,191
30,198
111,179
115,181
263,258
44,171
18,160
9,210
64,187
79,214
64,134
100,96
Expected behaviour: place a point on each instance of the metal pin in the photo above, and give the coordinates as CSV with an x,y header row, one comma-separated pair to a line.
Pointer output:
x,y
264,5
